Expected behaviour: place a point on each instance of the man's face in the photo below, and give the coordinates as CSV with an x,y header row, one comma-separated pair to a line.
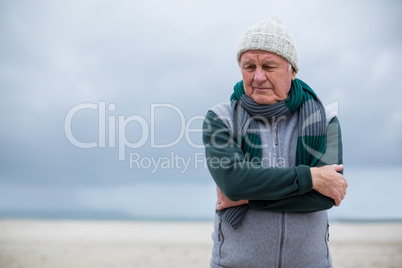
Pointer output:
x,y
266,76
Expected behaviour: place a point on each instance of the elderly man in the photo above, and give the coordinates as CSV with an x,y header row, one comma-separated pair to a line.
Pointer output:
x,y
275,154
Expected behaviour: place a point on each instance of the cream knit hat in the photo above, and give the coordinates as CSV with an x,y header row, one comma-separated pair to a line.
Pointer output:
x,y
270,35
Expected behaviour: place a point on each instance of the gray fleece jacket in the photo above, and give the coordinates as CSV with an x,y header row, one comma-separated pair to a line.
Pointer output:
x,y
287,223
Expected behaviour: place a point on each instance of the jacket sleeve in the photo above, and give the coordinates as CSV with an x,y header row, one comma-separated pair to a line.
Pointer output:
x,y
241,179
311,201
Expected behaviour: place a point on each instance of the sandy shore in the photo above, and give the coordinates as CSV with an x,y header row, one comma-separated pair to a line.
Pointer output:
x,y
43,244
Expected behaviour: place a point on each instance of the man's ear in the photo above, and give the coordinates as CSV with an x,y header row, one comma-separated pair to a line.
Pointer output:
x,y
293,74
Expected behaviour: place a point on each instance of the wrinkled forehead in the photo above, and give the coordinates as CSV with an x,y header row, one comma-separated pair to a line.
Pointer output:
x,y
252,56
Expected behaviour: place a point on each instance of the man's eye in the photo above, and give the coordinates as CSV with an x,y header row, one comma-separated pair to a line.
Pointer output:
x,y
249,67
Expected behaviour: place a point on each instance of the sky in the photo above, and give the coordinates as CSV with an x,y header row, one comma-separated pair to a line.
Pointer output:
x,y
131,81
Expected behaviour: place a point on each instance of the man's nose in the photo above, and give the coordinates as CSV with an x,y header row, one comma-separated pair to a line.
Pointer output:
x,y
259,75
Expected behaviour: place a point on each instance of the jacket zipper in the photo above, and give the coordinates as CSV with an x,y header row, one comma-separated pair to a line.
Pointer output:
x,y
283,214
276,134
282,241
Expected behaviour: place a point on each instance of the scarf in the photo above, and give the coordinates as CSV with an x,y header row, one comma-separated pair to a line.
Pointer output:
x,y
311,139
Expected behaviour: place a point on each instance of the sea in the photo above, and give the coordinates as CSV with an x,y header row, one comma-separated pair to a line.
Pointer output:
x,y
373,195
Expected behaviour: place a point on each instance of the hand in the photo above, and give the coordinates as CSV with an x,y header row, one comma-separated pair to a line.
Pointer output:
x,y
223,202
327,181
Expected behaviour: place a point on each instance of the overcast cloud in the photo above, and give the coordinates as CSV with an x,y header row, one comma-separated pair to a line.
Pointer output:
x,y
58,54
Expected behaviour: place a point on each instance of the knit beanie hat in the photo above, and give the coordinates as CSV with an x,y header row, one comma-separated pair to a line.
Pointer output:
x,y
270,35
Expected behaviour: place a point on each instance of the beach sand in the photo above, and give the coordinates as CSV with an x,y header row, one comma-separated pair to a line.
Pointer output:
x,y
60,243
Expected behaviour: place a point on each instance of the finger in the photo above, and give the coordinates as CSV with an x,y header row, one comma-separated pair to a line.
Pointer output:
x,y
337,202
338,167
221,206
219,193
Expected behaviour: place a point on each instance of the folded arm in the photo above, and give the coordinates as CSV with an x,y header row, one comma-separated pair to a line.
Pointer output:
x,y
329,186
298,189
239,179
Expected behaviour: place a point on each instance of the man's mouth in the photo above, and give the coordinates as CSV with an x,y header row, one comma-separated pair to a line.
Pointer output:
x,y
262,88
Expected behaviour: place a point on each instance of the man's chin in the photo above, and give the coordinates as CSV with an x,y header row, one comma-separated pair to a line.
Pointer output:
x,y
264,100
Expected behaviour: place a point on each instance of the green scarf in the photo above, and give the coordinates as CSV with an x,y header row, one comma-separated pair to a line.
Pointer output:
x,y
311,130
